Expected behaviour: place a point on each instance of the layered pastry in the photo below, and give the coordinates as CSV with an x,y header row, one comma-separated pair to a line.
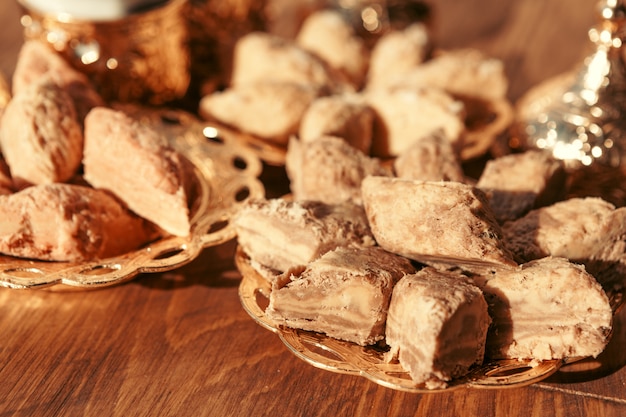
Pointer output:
x,y
433,219
135,162
342,115
430,158
590,231
330,36
406,48
329,169
40,136
404,115
270,110
278,234
37,59
546,309
344,294
62,222
517,183
261,57
437,326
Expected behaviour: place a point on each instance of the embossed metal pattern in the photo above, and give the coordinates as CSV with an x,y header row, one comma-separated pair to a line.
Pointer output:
x,y
580,116
225,176
344,357
141,57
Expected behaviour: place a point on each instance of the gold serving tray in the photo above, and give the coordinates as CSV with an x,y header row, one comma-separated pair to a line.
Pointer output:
x,y
349,358
226,174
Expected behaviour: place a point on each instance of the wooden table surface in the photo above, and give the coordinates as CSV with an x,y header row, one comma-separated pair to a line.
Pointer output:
x,y
179,343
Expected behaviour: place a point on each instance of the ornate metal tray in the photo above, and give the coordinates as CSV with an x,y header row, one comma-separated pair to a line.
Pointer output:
x,y
344,357
225,176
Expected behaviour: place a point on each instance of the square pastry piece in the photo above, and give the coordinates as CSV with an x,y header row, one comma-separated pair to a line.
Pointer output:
x,y
344,294
437,326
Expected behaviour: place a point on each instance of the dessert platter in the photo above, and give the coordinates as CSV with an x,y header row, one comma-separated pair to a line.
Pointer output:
x,y
224,175
325,267
340,356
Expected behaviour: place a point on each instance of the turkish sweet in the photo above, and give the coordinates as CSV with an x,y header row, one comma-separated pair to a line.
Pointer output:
x,y
437,326
344,294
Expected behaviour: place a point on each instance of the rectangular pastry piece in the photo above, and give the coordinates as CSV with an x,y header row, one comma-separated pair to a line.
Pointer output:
x,y
62,222
517,183
136,163
437,326
423,219
344,294
279,234
546,309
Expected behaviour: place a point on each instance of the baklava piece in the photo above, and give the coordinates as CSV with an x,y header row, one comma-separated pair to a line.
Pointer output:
x,y
344,294
428,219
430,158
279,234
437,326
546,309
62,222
589,231
36,60
406,49
329,170
517,183
405,115
343,115
462,72
261,57
137,164
331,37
269,110
40,136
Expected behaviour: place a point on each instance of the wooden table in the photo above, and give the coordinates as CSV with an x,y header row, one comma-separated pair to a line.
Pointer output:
x,y
179,343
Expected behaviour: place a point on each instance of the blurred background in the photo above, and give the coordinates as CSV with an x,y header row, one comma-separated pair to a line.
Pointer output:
x,y
496,32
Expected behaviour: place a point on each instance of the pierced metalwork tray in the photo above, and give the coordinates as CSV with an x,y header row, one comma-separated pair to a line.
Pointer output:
x,y
226,174
349,358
